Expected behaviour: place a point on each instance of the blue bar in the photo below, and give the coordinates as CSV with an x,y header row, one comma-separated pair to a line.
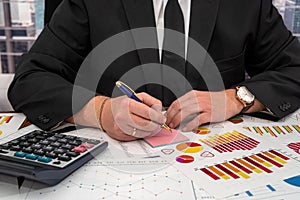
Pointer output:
x,y
271,188
249,193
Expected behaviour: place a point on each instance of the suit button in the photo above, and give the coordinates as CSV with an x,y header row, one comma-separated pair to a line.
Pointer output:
x,y
43,119
284,107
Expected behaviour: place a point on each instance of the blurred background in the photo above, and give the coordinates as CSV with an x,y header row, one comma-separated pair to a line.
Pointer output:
x,y
21,21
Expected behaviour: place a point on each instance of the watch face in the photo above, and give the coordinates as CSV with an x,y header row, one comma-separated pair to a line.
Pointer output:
x,y
245,95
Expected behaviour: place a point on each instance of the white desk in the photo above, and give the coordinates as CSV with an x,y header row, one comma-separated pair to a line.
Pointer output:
x,y
127,171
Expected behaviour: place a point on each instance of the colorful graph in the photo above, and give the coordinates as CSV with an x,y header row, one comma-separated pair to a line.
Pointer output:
x,y
229,142
295,147
189,147
5,119
185,159
236,120
244,167
274,130
201,131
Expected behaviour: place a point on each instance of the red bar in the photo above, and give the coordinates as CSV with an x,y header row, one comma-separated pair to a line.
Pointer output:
x,y
269,160
209,173
258,165
218,150
279,155
233,175
9,118
237,143
241,167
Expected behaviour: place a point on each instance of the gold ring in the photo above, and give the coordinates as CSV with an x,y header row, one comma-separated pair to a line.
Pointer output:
x,y
134,132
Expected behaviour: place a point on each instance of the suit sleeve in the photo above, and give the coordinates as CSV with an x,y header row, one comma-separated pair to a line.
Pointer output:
x,y
43,83
273,63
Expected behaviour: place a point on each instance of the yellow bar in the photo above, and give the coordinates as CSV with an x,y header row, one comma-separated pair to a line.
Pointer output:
x,y
261,161
249,166
247,128
242,174
224,176
4,120
274,157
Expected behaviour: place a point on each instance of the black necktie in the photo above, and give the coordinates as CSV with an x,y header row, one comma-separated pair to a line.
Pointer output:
x,y
174,20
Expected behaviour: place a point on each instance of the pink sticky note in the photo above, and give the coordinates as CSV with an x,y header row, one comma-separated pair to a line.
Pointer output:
x,y
164,137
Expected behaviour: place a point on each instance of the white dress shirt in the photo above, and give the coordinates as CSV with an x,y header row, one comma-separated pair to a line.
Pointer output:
x,y
159,11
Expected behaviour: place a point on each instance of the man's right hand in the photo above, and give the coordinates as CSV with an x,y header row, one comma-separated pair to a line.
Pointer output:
x,y
123,118
126,119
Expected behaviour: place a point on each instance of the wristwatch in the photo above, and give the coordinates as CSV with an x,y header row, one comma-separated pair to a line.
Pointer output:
x,y
245,97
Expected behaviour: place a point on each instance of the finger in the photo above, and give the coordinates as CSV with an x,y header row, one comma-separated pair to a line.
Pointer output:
x,y
179,105
133,131
118,134
143,124
150,101
186,112
146,112
197,121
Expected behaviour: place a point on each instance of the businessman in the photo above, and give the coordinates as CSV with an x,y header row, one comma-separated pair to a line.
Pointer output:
x,y
239,35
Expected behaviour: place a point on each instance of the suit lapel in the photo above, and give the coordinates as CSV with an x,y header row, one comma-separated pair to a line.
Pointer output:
x,y
203,19
140,13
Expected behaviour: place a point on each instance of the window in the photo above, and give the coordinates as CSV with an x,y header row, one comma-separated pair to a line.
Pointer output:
x,y
21,21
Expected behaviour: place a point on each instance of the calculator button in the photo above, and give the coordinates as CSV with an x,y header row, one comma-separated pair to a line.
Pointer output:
x,y
52,139
45,142
58,135
44,159
32,140
75,142
64,158
70,137
59,151
20,154
91,141
25,144
80,149
39,152
48,148
57,162
15,142
5,146
15,148
55,144
67,146
87,145
31,156
3,152
36,146
72,153
51,155
40,137
27,150
23,139
63,140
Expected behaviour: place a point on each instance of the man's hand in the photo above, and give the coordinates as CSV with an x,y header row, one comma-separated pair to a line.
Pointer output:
x,y
123,118
207,107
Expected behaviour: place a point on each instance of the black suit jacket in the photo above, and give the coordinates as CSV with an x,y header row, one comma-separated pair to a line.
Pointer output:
x,y
240,36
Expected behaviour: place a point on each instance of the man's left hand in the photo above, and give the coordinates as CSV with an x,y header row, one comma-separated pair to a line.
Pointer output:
x,y
205,107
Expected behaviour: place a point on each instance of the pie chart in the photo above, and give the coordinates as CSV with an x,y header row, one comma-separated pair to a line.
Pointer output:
x,y
201,131
189,147
185,159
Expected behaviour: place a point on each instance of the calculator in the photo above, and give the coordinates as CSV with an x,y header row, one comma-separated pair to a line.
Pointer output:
x,y
47,157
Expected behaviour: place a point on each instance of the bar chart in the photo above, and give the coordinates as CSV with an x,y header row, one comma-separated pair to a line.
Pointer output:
x,y
274,131
264,162
230,141
295,147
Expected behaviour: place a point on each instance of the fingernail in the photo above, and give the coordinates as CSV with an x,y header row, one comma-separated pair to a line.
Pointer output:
x,y
184,129
171,125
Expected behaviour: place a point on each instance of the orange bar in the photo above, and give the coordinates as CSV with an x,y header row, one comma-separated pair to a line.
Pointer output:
x,y
261,161
258,130
241,161
215,170
288,129
242,174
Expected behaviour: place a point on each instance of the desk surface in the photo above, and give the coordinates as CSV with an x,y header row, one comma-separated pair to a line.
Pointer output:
x,y
134,170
